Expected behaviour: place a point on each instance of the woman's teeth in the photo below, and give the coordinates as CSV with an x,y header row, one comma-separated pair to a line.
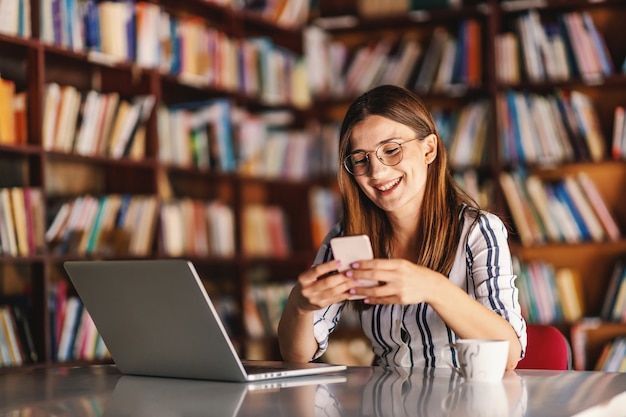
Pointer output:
x,y
389,185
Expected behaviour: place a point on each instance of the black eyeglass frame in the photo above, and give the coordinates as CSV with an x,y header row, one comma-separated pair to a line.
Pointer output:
x,y
375,152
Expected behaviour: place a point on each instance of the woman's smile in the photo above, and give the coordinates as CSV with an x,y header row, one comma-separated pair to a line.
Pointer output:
x,y
389,186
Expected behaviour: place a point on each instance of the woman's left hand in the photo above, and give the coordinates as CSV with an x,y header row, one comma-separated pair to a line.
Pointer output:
x,y
401,281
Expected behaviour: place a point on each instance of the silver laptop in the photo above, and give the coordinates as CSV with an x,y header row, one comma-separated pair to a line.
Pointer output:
x,y
157,319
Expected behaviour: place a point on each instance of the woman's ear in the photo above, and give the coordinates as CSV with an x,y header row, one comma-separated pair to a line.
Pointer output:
x,y
430,148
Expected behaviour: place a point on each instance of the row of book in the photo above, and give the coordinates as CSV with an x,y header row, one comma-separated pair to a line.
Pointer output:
x,y
481,189
146,34
116,224
216,134
107,225
567,48
325,205
93,123
263,306
73,334
464,133
448,62
21,221
197,135
547,294
265,230
16,340
568,210
197,228
16,14
13,125
614,306
613,356
547,129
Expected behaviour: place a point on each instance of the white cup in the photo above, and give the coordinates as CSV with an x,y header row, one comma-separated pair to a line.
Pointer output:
x,y
479,360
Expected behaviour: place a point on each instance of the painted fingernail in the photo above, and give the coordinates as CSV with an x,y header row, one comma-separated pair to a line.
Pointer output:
x,y
349,274
366,300
352,291
354,265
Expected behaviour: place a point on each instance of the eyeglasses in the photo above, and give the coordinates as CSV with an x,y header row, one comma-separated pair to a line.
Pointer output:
x,y
389,153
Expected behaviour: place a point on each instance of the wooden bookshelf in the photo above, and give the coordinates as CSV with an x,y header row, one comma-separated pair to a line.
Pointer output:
x,y
33,64
592,261
65,174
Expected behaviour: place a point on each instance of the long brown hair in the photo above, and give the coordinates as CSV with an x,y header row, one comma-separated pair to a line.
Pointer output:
x,y
439,223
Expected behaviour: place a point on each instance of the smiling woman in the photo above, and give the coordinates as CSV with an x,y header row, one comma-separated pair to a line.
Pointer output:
x,y
444,264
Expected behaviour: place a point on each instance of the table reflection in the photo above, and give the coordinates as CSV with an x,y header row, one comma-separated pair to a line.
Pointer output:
x,y
374,392
360,391
441,392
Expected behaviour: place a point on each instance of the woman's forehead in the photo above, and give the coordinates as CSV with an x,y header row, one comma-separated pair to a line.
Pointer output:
x,y
376,129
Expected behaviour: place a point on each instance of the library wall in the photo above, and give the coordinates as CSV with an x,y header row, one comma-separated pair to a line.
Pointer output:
x,y
163,129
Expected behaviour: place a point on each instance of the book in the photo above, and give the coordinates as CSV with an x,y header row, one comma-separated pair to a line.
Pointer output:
x,y
137,114
10,332
20,104
71,318
4,238
579,144
35,211
537,229
573,211
584,209
562,215
87,131
539,198
432,60
9,17
7,116
105,125
611,289
22,323
516,206
583,49
52,99
5,353
599,206
589,125
570,290
19,220
619,303
618,151
9,223
67,118
599,45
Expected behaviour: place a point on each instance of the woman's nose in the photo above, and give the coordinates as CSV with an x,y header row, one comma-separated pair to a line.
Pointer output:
x,y
375,165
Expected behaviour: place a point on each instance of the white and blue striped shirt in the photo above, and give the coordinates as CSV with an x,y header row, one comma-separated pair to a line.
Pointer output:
x,y
414,335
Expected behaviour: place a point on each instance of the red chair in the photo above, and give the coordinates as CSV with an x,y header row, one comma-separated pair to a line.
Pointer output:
x,y
547,348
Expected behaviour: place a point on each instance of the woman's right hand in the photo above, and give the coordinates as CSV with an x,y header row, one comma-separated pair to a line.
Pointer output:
x,y
321,286
316,288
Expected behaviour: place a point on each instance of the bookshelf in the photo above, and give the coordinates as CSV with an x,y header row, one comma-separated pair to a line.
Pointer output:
x,y
273,118
136,196
590,257
519,85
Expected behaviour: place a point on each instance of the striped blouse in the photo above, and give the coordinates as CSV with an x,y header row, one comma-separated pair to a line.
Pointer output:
x,y
414,335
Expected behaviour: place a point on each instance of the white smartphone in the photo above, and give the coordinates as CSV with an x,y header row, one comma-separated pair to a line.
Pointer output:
x,y
349,249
